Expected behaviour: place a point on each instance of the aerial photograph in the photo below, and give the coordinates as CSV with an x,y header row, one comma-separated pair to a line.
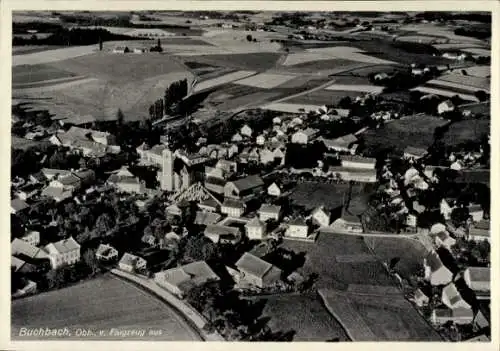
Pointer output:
x,y
250,176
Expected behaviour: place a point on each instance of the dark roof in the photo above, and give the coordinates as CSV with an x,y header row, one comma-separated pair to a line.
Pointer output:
x,y
232,203
356,158
250,182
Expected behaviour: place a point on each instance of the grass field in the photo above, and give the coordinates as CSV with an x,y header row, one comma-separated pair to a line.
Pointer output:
x,y
100,304
410,252
378,316
328,53
417,131
447,92
265,80
327,64
248,61
322,97
305,315
221,80
360,88
31,49
321,258
55,55
37,73
467,130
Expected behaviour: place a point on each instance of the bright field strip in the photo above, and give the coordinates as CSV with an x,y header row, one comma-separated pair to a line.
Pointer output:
x,y
52,55
462,86
358,87
290,108
447,93
227,78
265,80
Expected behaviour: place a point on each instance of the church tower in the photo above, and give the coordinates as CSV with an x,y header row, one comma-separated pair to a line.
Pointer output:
x,y
166,173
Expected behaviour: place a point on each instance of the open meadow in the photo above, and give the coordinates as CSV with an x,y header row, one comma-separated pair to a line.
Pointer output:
x,y
101,304
461,132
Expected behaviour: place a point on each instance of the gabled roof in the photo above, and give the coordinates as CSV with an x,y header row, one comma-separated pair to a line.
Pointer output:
x,y
51,172
188,276
129,259
56,193
255,222
359,159
84,173
21,247
232,203
415,151
17,263
18,205
70,179
220,230
65,245
298,222
196,192
266,208
454,313
250,182
309,132
253,265
206,218
483,224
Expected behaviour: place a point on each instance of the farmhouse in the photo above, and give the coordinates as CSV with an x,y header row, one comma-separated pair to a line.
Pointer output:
x,y
414,153
452,299
244,188
131,263
304,136
180,280
348,223
435,271
64,252
444,239
32,237
274,190
480,231
106,252
216,232
297,228
445,106
255,229
352,161
321,216
354,174
121,50
458,316
126,182
25,251
478,278
246,131
257,272
233,207
341,144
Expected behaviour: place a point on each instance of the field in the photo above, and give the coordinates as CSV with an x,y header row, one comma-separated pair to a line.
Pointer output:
x,y
361,88
415,131
467,82
333,257
305,315
446,92
377,316
258,61
100,304
332,65
328,53
322,97
471,130
410,252
37,73
31,49
289,107
265,80
221,80
52,55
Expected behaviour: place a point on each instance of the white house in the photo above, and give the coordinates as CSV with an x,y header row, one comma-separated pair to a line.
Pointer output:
x,y
458,316
321,216
233,208
435,271
476,212
478,278
451,297
297,228
257,272
106,252
237,138
444,239
131,263
445,106
64,252
445,209
354,161
420,298
480,231
411,220
304,136
267,212
274,190
32,237
266,156
246,131
256,229
261,139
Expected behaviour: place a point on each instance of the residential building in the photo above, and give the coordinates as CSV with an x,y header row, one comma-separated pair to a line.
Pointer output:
x,y
255,229
28,191
480,231
414,153
297,228
266,156
411,220
58,194
131,263
348,223
353,174
478,278
25,251
237,138
420,298
246,131
445,106
353,161
32,237
451,297
244,188
233,207
304,136
64,252
321,216
215,231
480,322
260,140
342,144
444,239
257,272
459,316
18,206
267,212
106,252
274,190
435,271
476,212
124,181
180,280
445,209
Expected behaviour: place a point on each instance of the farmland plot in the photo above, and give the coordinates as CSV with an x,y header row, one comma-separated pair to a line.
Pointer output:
x,y
52,55
464,81
227,78
101,303
265,80
37,73
322,97
290,107
445,93
363,88
340,52
258,61
466,131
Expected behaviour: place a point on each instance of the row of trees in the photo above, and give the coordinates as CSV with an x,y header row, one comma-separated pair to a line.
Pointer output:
x,y
174,93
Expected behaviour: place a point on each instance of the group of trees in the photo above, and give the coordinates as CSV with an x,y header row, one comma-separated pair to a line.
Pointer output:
x,y
174,93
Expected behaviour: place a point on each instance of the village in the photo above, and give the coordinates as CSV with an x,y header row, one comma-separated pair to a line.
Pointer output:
x,y
267,202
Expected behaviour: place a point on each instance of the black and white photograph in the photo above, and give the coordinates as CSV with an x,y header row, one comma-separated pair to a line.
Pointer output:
x,y
250,175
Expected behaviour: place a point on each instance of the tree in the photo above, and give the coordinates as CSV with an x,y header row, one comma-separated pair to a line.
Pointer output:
x,y
249,37
103,224
120,117
100,43
91,261
345,102
481,95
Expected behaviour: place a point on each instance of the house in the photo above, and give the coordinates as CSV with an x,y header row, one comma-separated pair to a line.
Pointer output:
x,y
180,280
348,223
476,212
106,252
414,153
274,190
25,251
32,237
321,216
255,229
478,278
411,220
244,188
341,144
246,131
445,209
353,174
215,179
457,165
304,136
131,263
267,212
69,182
18,206
139,50
233,207
435,271
28,191
480,322
121,50
451,297
56,193
64,252
206,218
124,181
297,228
480,231
353,161
276,120
227,166
445,106
237,138
266,156
279,155
459,316
257,272
420,298
260,140
216,231
444,239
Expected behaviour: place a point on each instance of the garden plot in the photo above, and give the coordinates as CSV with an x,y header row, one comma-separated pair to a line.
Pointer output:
x,y
52,55
227,78
362,88
478,71
265,80
340,52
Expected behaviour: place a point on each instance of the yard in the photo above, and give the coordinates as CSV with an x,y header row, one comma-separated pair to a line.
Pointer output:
x,y
304,316
100,304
